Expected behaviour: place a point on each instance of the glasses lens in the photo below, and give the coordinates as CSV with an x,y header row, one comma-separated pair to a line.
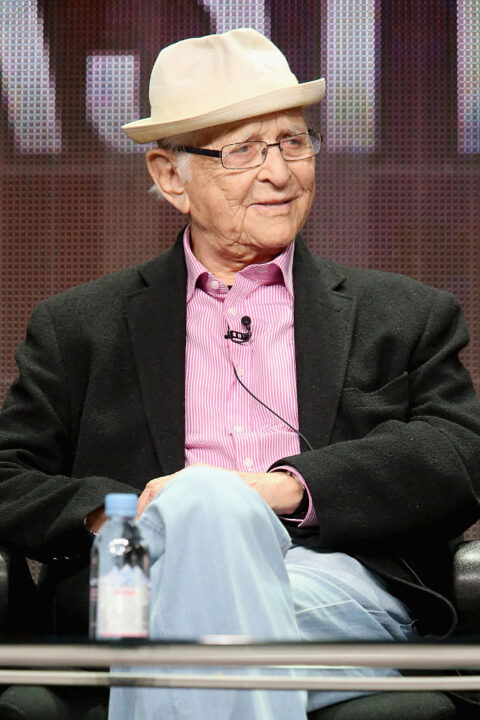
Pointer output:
x,y
298,147
243,155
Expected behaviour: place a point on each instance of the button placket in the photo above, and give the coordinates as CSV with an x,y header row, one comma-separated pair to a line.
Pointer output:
x,y
239,412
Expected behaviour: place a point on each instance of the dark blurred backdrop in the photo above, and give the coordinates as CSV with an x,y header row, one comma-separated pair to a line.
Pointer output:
x,y
398,178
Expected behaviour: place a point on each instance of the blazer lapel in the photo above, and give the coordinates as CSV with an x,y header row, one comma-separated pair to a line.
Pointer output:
x,y
156,322
324,316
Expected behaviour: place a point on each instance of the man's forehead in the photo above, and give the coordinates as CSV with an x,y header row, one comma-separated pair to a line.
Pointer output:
x,y
282,122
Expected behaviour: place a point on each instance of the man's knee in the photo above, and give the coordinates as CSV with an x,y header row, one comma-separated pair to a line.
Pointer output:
x,y
213,507
205,493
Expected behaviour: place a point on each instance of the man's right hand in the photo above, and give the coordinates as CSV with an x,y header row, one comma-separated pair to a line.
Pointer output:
x,y
95,519
152,488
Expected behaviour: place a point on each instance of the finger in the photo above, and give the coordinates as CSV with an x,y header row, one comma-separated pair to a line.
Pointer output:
x,y
152,489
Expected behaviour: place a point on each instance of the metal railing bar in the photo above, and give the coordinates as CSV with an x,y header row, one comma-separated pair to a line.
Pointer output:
x,y
98,655
242,682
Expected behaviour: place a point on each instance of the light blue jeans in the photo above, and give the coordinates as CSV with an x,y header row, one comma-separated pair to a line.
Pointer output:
x,y
222,563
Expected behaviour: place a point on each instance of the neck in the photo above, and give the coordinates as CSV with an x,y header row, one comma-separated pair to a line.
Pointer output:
x,y
223,264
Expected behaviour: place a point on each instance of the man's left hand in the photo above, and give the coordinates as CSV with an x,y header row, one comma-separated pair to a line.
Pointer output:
x,y
280,490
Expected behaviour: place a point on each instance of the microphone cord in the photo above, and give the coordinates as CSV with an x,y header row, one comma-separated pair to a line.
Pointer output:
x,y
272,411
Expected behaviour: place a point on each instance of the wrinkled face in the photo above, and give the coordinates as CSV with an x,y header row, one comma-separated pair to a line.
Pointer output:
x,y
250,215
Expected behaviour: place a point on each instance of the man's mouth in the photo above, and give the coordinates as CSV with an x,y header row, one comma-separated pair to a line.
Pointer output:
x,y
273,203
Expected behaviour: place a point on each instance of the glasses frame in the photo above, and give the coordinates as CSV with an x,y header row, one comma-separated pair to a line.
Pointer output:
x,y
219,153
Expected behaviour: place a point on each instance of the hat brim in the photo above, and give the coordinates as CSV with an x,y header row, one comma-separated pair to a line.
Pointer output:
x,y
147,129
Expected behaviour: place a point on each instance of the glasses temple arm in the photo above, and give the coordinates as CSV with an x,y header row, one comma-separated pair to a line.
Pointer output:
x,y
199,151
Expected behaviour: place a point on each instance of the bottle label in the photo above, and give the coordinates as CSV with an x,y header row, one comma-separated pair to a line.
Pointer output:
x,y
123,603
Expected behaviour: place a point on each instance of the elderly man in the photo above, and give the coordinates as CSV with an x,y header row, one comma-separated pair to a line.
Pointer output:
x,y
331,436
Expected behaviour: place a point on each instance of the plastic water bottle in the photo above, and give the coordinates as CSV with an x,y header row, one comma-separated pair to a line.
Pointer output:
x,y
119,574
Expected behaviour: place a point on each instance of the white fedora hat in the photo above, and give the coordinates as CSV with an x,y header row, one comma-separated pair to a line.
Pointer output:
x,y
216,79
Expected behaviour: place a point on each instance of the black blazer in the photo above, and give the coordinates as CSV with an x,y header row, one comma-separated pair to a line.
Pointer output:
x,y
392,415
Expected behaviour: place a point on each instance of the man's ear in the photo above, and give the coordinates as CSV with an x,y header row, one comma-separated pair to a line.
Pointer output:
x,y
163,169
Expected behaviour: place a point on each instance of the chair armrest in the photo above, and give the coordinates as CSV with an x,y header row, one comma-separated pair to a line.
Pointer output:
x,y
466,585
4,587
22,609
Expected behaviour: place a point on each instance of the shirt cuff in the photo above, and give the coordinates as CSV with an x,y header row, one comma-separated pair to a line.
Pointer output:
x,y
87,528
309,518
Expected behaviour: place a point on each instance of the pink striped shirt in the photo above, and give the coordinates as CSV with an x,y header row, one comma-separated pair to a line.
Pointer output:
x,y
224,425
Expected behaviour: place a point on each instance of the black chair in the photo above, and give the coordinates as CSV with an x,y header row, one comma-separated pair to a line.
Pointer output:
x,y
23,612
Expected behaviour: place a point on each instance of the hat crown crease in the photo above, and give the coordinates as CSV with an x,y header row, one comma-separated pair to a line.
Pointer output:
x,y
236,73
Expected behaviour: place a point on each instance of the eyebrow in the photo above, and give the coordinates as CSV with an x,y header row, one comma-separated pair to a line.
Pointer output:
x,y
286,133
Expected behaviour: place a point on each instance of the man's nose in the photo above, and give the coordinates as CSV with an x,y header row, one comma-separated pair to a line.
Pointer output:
x,y
275,168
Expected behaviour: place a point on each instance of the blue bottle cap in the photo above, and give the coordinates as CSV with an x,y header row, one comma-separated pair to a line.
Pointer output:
x,y
124,504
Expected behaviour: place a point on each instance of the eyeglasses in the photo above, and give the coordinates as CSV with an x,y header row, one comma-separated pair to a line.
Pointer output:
x,y
253,153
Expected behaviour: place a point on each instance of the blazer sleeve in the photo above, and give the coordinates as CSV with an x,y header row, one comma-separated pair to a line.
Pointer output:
x,y
411,470
43,507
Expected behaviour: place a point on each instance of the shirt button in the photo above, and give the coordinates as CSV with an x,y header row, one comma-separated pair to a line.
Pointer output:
x,y
248,462
238,428
240,372
215,284
233,311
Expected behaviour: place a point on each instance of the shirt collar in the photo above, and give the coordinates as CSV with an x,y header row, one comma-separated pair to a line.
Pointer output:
x,y
198,275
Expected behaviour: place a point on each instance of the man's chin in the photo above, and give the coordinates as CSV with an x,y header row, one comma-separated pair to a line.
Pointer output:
x,y
276,234
267,248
